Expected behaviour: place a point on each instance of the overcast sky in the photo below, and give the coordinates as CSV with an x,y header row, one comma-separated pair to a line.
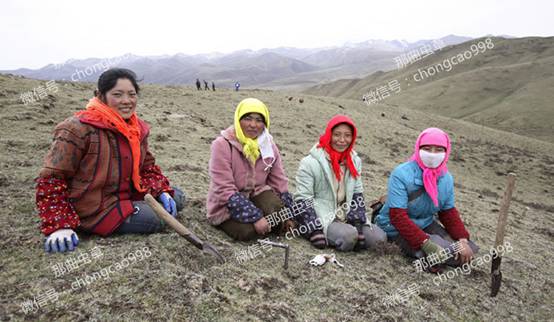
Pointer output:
x,y
37,32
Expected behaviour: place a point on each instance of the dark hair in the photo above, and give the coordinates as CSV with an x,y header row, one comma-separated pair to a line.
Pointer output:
x,y
245,115
109,78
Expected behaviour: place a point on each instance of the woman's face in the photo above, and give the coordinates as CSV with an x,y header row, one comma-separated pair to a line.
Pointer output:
x,y
252,125
122,98
433,148
432,156
341,138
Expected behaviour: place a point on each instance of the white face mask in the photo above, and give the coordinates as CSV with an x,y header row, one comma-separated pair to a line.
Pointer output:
x,y
431,160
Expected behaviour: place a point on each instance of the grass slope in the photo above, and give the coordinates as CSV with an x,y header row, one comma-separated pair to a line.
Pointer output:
x,y
177,283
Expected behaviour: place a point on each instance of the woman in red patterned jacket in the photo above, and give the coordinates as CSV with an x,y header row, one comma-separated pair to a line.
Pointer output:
x,y
99,168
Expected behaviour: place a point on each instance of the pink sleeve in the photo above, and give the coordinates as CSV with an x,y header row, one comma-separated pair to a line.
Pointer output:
x,y
277,179
221,171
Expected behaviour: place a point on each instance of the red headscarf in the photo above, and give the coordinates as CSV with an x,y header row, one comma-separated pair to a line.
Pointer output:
x,y
339,157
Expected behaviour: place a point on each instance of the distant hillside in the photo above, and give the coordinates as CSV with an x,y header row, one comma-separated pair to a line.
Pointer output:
x,y
273,68
508,87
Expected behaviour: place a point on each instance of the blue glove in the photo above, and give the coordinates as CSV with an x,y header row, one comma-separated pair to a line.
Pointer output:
x,y
168,203
61,240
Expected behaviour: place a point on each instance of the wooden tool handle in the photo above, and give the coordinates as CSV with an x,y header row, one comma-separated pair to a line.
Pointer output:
x,y
503,213
180,229
166,217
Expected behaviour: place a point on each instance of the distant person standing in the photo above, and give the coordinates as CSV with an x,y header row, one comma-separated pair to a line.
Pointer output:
x,y
213,86
198,85
206,88
237,86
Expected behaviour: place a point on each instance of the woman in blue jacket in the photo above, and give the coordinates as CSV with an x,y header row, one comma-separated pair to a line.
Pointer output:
x,y
419,189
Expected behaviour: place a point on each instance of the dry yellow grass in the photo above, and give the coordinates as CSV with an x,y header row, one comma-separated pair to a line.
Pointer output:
x,y
177,283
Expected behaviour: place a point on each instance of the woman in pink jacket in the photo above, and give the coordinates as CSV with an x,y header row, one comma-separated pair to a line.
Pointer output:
x,y
248,195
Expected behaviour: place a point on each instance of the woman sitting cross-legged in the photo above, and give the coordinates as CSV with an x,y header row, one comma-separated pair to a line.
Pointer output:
x,y
99,168
248,192
417,190
329,191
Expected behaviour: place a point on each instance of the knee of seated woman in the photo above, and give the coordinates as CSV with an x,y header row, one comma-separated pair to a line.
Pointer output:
x,y
374,234
346,245
347,240
244,233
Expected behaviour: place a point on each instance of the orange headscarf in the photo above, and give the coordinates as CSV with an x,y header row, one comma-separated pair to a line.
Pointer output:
x,y
100,112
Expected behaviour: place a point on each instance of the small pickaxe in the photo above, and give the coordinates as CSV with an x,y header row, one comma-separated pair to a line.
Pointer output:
x,y
182,230
281,245
496,274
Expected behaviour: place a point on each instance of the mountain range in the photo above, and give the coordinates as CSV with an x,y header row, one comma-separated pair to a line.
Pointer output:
x,y
275,68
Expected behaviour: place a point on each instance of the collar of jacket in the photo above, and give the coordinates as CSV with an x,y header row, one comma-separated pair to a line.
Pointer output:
x,y
418,174
229,135
321,156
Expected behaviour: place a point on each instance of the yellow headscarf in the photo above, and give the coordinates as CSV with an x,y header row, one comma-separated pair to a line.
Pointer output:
x,y
250,146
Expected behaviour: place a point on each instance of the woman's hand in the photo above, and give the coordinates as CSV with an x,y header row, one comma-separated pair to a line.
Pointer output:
x,y
465,255
262,226
61,240
168,203
430,247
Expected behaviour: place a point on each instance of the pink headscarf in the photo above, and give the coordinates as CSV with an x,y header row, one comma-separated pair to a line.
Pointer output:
x,y
432,136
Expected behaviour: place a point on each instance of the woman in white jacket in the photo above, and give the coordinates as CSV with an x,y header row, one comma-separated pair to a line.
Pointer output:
x,y
330,191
